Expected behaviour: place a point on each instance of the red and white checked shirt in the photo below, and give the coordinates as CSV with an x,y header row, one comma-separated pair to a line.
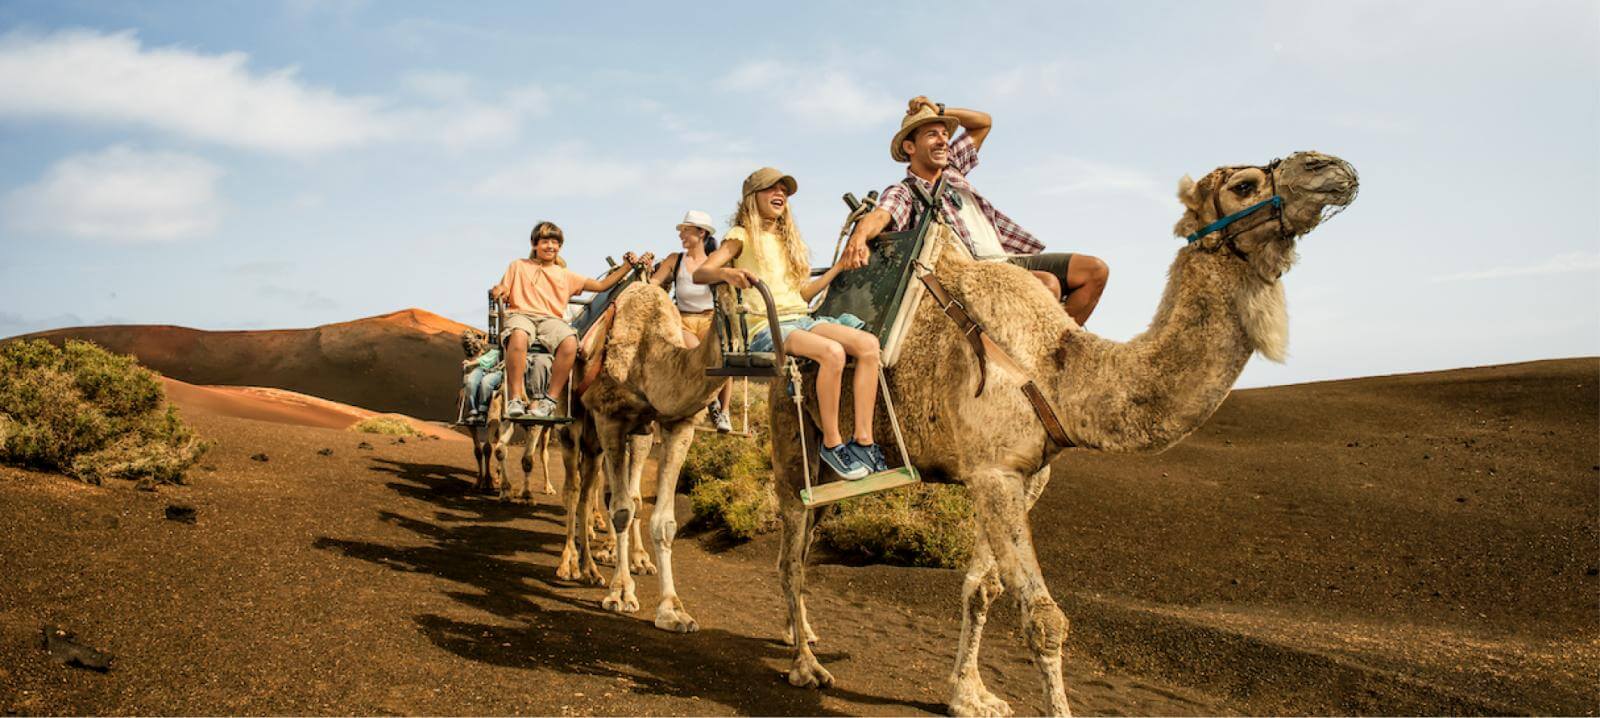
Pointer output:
x,y
899,202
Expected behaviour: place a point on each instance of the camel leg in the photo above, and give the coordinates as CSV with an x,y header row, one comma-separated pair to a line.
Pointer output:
x,y
978,591
614,452
806,671
670,613
517,432
605,551
590,469
537,436
567,570
638,454
544,460
1000,502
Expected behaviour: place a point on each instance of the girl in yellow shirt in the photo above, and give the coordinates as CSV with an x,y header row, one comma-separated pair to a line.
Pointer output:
x,y
765,244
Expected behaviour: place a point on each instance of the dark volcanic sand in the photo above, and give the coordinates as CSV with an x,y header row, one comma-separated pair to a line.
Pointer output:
x,y
1412,544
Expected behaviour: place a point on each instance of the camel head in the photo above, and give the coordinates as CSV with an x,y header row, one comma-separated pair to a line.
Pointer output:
x,y
1312,187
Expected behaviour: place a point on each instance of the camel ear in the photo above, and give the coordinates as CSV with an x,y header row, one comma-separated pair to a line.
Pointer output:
x,y
1189,192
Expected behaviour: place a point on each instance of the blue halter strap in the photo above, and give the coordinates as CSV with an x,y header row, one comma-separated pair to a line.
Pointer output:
x,y
1217,226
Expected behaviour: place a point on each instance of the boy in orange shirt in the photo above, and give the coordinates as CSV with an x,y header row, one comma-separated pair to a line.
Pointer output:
x,y
536,292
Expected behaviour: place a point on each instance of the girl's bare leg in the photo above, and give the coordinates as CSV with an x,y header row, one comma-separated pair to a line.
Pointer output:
x,y
864,347
829,356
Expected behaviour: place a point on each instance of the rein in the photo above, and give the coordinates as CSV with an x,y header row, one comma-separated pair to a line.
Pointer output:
x,y
1223,225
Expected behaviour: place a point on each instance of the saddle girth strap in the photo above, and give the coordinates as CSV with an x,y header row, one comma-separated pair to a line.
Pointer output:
x,y
983,347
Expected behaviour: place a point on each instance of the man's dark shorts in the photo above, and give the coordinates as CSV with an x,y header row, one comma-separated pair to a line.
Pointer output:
x,y
1056,263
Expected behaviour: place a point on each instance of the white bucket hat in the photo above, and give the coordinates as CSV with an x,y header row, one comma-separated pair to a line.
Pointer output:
x,y
696,218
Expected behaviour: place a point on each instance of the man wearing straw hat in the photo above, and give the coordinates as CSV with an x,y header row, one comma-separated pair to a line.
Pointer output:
x,y
925,143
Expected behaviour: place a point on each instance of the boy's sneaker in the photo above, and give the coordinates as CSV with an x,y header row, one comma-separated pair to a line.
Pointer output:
x,y
869,455
844,462
474,417
516,409
544,407
719,419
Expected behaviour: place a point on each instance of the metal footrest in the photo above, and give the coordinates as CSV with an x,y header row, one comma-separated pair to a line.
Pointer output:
x,y
836,491
542,420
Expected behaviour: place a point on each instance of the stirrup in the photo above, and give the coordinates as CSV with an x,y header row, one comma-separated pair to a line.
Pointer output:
x,y
813,497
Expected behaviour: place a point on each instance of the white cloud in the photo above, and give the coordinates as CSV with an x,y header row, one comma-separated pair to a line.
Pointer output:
x,y
111,79
822,97
1561,264
1030,80
121,195
1074,175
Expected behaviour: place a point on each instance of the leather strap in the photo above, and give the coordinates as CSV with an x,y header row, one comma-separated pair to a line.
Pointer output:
x,y
983,347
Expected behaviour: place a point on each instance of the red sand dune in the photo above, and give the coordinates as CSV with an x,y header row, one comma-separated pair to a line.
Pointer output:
x,y
280,406
406,362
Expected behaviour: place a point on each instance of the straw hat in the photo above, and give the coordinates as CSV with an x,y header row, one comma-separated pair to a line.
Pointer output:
x,y
700,220
911,123
767,177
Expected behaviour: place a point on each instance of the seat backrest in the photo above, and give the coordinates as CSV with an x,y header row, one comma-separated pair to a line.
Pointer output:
x,y
885,293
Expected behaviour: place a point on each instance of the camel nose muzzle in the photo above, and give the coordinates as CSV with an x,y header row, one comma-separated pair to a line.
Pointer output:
x,y
1316,187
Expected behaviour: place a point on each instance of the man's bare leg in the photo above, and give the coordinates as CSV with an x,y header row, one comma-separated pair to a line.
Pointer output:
x,y
1086,280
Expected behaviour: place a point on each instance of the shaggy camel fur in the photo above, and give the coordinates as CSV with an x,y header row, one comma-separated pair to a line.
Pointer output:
x,y
1223,302
649,376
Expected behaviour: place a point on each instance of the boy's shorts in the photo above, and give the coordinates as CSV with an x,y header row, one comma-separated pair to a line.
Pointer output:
x,y
546,333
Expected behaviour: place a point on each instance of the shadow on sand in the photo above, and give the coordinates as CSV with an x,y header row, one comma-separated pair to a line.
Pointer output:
x,y
469,544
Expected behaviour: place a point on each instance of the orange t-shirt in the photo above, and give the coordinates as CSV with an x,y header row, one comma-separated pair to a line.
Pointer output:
x,y
540,290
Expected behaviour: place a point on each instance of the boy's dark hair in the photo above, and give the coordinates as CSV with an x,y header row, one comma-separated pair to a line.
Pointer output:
x,y
546,230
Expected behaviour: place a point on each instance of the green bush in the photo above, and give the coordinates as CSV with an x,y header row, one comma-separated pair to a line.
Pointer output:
x,y
387,425
730,477
923,525
90,414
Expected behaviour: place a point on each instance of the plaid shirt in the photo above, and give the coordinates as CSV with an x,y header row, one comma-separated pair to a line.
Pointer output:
x,y
898,201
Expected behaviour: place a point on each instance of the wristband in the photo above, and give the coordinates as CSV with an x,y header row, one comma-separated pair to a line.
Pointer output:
x,y
940,106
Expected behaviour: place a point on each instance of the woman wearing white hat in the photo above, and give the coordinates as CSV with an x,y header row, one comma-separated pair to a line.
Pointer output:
x,y
676,273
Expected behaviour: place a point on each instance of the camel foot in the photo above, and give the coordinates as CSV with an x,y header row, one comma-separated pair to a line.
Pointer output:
x,y
807,672
526,496
642,565
973,699
593,577
567,570
670,616
621,600
548,489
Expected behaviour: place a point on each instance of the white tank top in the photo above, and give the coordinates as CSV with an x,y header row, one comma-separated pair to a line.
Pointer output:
x,y
692,298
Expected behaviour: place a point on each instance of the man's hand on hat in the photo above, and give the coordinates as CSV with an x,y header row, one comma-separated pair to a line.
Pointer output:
x,y
919,102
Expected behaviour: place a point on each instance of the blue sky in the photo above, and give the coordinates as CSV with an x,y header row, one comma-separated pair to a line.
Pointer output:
x,y
260,165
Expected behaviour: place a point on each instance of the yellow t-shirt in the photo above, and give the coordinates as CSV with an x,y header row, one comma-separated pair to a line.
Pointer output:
x,y
764,256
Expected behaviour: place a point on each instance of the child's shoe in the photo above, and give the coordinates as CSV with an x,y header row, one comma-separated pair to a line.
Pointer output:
x,y
719,419
544,407
869,455
843,462
516,409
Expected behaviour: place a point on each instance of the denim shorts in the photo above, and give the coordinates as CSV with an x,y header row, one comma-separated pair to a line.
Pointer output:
x,y
761,341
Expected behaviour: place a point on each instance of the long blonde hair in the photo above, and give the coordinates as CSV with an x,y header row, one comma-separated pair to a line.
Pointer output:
x,y
797,256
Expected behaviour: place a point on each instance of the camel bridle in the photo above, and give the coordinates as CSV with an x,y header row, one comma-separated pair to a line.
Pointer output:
x,y
1233,225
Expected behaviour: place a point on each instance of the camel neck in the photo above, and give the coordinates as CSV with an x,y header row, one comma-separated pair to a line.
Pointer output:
x,y
1153,390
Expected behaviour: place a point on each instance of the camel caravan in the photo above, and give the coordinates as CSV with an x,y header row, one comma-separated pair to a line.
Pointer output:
x,y
937,306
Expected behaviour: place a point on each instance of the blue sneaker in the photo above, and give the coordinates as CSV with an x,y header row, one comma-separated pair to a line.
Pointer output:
x,y
870,456
844,463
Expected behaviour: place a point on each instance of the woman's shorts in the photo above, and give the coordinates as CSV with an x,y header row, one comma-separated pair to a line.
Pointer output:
x,y
761,341
697,324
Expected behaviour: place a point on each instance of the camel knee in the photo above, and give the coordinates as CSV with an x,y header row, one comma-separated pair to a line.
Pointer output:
x,y
1045,626
986,587
663,528
621,517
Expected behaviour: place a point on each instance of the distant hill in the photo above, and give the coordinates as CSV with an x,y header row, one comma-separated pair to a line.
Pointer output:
x,y
406,362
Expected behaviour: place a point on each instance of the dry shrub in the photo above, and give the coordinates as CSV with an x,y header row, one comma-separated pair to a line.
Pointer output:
x,y
730,477
90,414
386,425
922,525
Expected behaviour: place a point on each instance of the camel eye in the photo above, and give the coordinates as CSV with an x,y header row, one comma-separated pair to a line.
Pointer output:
x,y
1244,188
